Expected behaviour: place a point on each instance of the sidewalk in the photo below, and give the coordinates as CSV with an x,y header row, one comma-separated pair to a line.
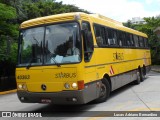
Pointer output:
x,y
7,92
155,68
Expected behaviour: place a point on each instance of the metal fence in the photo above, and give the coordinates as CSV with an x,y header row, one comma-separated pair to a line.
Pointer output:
x,y
7,75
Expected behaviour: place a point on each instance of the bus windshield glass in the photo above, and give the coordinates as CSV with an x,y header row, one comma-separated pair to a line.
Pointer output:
x,y
51,44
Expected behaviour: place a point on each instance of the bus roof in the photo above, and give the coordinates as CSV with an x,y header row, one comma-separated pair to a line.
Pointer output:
x,y
96,18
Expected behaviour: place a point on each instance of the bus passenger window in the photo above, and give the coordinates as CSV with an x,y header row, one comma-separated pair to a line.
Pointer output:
x,y
123,34
141,42
119,38
128,43
100,35
112,38
145,42
99,41
136,40
115,37
131,40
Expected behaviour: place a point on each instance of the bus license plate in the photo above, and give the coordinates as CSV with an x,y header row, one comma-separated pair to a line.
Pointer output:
x,y
46,101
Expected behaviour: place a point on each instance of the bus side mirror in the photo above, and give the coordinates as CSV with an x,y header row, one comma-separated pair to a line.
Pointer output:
x,y
88,45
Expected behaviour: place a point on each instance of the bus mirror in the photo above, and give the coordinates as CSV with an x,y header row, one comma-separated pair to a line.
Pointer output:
x,y
88,45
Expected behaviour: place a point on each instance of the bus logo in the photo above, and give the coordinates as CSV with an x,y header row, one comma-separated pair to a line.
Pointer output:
x,y
44,87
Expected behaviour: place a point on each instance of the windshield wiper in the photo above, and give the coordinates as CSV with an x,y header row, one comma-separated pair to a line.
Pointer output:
x,y
56,63
30,62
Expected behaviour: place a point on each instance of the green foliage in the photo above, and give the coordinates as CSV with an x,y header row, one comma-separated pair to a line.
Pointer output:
x,y
14,12
7,13
41,8
7,29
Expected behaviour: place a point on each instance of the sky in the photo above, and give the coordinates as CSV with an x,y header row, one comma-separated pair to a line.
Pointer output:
x,y
120,10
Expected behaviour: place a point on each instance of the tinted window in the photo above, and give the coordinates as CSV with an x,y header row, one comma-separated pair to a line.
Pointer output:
x,y
128,42
119,38
131,40
136,40
145,42
112,37
100,35
141,42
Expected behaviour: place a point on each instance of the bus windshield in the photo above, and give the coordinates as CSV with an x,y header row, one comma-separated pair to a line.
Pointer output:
x,y
51,44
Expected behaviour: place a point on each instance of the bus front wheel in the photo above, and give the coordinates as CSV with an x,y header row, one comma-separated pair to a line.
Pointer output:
x,y
104,91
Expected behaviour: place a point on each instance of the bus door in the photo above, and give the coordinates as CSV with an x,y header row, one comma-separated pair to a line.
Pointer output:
x,y
90,69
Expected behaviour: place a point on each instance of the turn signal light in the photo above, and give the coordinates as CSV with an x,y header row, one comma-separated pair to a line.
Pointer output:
x,y
80,85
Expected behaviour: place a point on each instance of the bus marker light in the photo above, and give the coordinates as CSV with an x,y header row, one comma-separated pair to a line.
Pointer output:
x,y
81,85
77,17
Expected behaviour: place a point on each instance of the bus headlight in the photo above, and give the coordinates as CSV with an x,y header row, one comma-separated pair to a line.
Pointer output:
x,y
67,85
19,86
74,85
22,86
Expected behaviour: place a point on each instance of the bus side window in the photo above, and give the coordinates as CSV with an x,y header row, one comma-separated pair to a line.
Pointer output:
x,y
131,40
141,42
128,42
136,40
112,37
119,38
145,42
100,35
123,39
115,37
88,41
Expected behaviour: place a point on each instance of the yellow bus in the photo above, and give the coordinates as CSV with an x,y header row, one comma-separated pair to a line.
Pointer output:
x,y
75,58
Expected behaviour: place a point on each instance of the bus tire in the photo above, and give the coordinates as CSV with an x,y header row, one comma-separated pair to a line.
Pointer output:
x,y
104,91
138,80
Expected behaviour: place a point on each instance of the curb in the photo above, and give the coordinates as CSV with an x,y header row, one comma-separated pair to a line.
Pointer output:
x,y
8,92
155,70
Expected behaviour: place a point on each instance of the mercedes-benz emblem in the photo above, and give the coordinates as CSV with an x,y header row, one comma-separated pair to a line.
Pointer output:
x,y
44,87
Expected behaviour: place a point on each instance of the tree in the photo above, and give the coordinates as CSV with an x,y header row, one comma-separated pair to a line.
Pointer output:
x,y
7,28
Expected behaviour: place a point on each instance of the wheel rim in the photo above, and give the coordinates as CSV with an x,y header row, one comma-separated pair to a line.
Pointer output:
x,y
103,90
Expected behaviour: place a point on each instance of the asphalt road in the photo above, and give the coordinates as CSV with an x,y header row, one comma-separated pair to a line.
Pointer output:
x,y
142,97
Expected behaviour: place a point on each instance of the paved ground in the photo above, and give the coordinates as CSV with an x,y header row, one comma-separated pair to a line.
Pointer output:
x,y
155,68
143,97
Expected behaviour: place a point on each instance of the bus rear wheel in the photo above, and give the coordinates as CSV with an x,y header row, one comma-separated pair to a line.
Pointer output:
x,y
104,91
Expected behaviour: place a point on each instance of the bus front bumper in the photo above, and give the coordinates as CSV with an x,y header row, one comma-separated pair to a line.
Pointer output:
x,y
63,97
